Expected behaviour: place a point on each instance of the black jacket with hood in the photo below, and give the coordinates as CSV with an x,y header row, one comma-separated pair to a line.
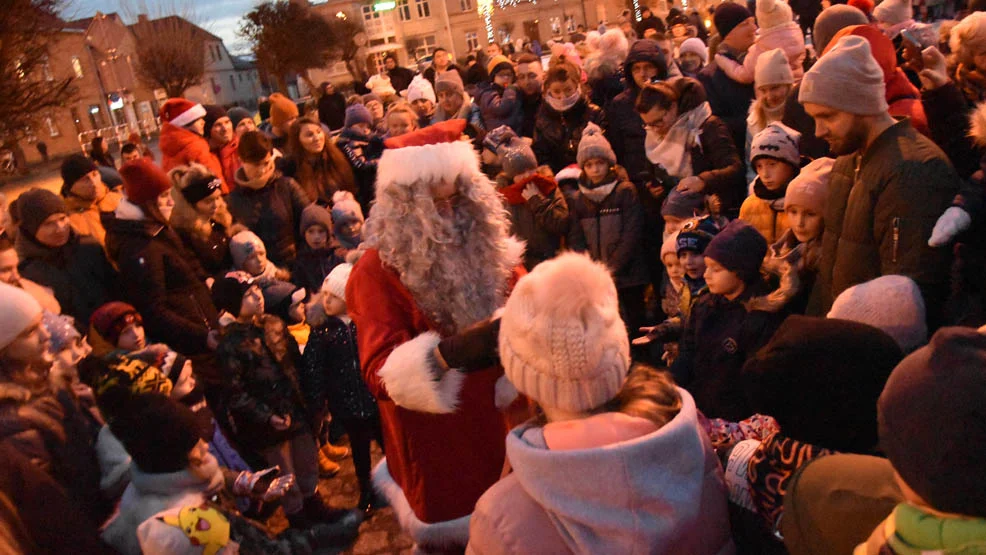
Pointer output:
x,y
626,130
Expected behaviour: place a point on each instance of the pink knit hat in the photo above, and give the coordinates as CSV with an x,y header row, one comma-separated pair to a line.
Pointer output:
x,y
810,188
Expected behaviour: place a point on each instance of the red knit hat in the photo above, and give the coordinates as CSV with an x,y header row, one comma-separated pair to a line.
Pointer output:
x,y
112,318
865,6
181,112
143,181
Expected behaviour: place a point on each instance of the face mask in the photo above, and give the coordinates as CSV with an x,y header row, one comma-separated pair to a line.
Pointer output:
x,y
564,104
690,66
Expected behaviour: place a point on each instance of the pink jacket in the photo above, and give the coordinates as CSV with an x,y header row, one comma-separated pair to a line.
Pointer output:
x,y
787,37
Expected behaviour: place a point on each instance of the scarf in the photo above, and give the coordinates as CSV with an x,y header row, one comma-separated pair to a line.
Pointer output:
x,y
564,104
598,193
254,184
673,151
775,198
514,192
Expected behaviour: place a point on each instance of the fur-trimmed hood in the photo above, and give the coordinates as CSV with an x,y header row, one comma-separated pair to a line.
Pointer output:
x,y
977,124
785,269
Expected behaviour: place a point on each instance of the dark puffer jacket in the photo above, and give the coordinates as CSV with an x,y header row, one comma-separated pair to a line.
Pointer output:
x,y
557,134
882,205
164,282
730,100
611,231
212,253
312,265
501,106
78,273
258,384
272,212
626,130
330,373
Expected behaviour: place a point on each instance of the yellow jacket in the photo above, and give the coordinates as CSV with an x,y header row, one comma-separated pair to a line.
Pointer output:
x,y
85,217
767,216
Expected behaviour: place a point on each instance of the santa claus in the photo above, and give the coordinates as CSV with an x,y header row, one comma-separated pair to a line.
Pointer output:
x,y
438,263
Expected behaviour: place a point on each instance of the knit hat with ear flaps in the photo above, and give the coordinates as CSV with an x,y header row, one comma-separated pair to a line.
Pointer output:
x,y
143,181
893,12
739,248
569,352
516,157
892,303
180,112
932,421
594,145
19,309
729,16
776,141
773,13
847,79
773,69
809,189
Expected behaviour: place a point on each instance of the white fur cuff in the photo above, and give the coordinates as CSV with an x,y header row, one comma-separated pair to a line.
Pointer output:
x,y
504,393
409,377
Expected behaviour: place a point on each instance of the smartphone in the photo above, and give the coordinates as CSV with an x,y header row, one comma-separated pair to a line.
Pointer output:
x,y
912,47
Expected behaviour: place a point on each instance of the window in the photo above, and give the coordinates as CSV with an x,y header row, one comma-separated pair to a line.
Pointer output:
x,y
503,35
77,67
570,23
472,41
404,10
52,128
425,47
232,82
465,5
555,26
77,120
423,9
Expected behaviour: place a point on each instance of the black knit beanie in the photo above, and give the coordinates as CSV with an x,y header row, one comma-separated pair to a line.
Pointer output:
x,y
740,248
157,432
728,16
74,168
33,207
227,292
212,114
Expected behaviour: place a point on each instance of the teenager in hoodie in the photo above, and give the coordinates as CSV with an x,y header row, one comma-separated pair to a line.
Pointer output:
x,y
265,201
563,116
593,415
182,141
538,211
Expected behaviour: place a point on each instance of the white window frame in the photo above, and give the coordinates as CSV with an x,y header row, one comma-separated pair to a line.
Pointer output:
x,y
404,10
472,41
422,8
465,5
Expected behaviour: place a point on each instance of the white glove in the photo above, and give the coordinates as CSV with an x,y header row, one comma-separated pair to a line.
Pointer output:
x,y
529,191
954,221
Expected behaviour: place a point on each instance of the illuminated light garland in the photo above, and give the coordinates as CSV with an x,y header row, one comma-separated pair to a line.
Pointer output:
x,y
636,10
485,9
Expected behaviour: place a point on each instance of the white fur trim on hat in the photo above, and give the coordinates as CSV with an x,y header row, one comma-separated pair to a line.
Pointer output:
x,y
435,536
409,373
188,116
566,351
335,282
892,303
403,167
19,310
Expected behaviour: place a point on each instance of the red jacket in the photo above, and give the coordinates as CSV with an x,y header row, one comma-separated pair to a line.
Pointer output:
x,y
230,161
180,147
442,462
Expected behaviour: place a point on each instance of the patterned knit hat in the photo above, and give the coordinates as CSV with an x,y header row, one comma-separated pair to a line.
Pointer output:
x,y
335,282
516,157
61,328
696,235
243,245
777,141
740,248
594,145
569,352
137,372
180,112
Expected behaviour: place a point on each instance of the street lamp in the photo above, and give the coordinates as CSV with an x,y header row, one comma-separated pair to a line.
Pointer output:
x,y
341,15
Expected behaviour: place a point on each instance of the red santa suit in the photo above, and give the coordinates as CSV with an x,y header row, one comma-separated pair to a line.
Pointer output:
x,y
444,439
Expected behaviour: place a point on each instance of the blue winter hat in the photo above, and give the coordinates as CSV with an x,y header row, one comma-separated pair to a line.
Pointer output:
x,y
357,113
740,248
683,205
696,235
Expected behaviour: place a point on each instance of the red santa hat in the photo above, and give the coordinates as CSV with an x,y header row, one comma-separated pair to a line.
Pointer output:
x,y
427,155
180,112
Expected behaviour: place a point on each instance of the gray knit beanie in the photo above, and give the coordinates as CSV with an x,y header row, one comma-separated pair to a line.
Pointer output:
x,y
594,145
834,19
847,79
516,157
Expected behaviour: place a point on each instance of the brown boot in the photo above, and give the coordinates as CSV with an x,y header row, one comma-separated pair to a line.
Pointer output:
x,y
326,467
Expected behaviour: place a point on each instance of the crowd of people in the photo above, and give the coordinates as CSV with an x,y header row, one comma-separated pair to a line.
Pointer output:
x,y
666,292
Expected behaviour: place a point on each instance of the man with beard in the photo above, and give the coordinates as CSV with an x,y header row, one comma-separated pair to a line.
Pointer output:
x,y
438,261
887,189
530,78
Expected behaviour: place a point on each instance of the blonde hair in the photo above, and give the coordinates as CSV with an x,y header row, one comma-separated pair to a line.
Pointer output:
x,y
402,107
184,216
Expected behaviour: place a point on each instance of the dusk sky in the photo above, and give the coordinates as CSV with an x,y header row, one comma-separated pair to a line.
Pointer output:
x,y
220,17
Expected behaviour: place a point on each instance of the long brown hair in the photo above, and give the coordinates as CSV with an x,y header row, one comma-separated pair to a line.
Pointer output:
x,y
327,173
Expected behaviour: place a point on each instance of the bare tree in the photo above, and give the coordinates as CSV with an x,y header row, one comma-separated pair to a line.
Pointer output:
x,y
288,38
28,29
170,52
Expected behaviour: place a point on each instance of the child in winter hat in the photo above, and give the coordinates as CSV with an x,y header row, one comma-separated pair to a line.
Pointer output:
x,y
775,156
283,112
772,86
538,211
693,54
693,238
67,347
331,380
777,30
317,256
931,427
250,255
604,189
347,220
421,95
737,252
891,303
681,206
120,325
359,118
893,13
